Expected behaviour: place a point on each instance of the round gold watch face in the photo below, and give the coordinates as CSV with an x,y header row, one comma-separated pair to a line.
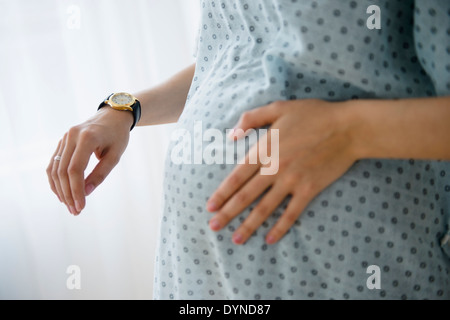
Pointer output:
x,y
122,99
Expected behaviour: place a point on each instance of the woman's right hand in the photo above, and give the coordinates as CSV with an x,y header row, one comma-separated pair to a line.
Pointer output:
x,y
106,135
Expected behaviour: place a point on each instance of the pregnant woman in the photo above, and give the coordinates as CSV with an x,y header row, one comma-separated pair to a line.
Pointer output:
x,y
360,204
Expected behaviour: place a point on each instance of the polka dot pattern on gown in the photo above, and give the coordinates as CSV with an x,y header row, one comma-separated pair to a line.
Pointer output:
x,y
389,213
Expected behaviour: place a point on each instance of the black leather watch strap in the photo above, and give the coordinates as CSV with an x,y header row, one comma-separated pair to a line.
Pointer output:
x,y
136,113
136,110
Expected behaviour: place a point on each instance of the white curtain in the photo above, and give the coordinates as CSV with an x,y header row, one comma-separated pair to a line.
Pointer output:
x,y
58,60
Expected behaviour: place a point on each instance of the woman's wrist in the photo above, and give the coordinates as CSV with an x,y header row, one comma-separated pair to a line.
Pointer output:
x,y
117,119
399,129
371,127
353,118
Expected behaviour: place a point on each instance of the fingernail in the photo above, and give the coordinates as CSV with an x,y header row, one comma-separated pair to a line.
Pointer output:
x,y
231,134
89,189
239,134
78,206
215,225
212,206
270,240
72,210
237,238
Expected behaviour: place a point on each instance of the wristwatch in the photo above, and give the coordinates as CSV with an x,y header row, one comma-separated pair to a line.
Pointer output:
x,y
124,102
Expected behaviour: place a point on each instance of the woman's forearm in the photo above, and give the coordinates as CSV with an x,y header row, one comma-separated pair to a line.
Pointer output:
x,y
401,129
165,102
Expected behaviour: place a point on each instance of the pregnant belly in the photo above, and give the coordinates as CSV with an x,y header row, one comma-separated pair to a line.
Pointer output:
x,y
367,197
380,212
375,198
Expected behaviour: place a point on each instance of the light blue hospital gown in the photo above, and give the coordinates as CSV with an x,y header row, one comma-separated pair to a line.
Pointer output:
x,y
388,213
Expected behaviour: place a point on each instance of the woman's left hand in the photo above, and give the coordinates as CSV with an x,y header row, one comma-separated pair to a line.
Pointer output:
x,y
315,149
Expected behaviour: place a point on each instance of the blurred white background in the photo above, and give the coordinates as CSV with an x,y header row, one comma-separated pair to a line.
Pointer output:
x,y
58,60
